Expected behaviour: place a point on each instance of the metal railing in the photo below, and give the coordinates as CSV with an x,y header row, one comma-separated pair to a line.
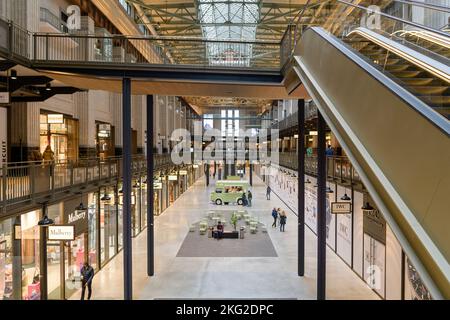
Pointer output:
x,y
22,182
52,19
148,49
338,168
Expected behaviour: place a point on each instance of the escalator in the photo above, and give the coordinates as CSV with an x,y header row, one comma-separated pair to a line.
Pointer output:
x,y
389,108
434,43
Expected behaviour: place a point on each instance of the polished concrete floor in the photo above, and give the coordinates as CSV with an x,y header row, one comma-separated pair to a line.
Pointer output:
x,y
226,277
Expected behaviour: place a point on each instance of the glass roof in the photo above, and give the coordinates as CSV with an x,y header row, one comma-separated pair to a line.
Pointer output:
x,y
229,20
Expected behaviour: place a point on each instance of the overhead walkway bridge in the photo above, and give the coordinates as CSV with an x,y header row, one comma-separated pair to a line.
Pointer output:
x,y
384,96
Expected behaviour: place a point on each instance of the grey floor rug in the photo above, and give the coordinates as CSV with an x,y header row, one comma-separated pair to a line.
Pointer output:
x,y
253,245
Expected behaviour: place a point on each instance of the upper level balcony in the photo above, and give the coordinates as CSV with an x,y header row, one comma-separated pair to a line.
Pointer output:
x,y
51,23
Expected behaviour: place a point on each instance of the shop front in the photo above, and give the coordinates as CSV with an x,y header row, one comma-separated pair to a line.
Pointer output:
x,y
66,258
110,226
105,140
59,134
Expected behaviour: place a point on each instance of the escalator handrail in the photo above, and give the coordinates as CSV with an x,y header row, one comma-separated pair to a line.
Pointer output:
x,y
416,58
388,16
426,111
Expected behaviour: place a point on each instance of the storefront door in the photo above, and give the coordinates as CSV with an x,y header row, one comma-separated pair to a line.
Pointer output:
x,y
74,258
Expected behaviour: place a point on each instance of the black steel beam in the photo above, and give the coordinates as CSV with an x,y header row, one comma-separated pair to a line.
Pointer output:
x,y
127,176
321,209
301,187
150,193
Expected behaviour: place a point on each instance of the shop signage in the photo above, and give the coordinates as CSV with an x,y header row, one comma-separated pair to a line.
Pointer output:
x,y
195,166
157,185
76,218
374,225
183,172
173,178
3,137
5,97
55,119
341,207
61,233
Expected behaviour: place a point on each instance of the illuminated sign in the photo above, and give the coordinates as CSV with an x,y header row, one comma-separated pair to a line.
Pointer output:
x,y
341,207
183,172
55,119
173,178
157,185
61,233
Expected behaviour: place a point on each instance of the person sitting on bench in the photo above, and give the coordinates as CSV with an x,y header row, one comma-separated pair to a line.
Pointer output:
x,y
219,230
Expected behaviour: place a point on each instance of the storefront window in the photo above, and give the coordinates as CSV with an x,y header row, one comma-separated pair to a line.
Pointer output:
x,y
54,257
143,204
29,235
108,228
6,260
62,138
135,208
92,226
105,140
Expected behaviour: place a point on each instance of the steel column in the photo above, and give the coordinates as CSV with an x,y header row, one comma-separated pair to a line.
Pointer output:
x,y
321,209
43,257
251,173
127,176
207,174
150,192
301,186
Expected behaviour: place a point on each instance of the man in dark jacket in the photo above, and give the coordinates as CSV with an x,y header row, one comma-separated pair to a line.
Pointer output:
x,y
87,274
268,192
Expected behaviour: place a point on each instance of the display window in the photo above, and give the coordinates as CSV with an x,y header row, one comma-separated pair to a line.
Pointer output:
x,y
143,204
105,140
55,255
415,289
108,228
374,264
93,199
29,235
58,139
6,259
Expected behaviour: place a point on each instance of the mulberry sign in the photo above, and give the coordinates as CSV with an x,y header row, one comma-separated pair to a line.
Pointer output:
x,y
76,218
61,233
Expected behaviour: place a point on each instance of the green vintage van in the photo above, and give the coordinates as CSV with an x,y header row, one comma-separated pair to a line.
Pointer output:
x,y
229,191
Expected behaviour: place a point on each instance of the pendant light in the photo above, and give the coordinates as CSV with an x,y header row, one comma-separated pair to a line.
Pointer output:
x,y
46,221
345,197
329,190
81,206
367,207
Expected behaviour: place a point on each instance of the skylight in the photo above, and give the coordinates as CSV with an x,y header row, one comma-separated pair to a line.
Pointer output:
x,y
229,20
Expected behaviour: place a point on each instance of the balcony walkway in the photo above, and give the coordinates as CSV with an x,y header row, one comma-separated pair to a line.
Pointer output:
x,y
238,277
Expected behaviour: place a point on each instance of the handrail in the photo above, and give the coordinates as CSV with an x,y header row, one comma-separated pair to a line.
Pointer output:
x,y
388,16
414,24
425,5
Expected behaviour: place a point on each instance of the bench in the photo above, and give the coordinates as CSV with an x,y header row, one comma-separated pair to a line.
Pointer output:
x,y
228,234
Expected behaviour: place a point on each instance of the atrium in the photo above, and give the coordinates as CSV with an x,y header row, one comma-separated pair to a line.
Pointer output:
x,y
201,150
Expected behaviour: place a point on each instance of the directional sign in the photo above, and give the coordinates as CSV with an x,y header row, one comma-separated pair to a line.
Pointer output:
x,y
341,207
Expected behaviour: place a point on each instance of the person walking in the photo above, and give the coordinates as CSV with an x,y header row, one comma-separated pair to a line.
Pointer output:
x,y
275,217
249,197
283,218
48,154
268,192
244,199
87,274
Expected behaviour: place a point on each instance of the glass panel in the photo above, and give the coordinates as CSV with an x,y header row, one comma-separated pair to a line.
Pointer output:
x,y
6,260
108,228
92,227
31,289
74,262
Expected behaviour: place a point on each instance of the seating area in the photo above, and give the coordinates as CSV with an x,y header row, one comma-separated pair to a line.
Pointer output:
x,y
250,236
243,220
